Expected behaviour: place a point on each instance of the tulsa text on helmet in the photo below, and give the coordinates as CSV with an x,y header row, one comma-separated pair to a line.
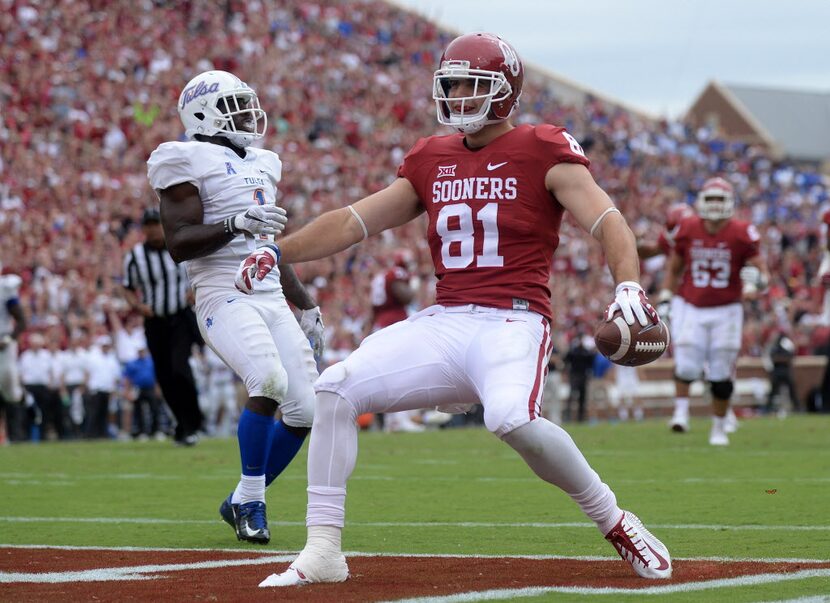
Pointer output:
x,y
198,90
481,188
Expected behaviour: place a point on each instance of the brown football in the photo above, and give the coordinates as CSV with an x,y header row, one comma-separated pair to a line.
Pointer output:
x,y
631,345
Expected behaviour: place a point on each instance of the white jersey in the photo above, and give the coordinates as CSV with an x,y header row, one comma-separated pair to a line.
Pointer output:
x,y
9,290
228,185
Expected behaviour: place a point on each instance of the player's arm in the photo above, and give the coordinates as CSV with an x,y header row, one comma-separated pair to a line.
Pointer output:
x,y
674,270
576,190
648,250
339,229
294,290
16,311
182,218
334,231
187,237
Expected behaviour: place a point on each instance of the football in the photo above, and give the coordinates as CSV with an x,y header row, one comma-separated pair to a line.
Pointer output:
x,y
631,345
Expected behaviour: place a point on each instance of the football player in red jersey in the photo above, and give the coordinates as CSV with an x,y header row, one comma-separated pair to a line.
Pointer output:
x,y
391,294
716,260
494,195
665,241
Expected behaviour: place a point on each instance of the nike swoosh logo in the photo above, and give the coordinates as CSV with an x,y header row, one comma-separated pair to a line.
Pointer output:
x,y
512,320
495,166
230,301
663,563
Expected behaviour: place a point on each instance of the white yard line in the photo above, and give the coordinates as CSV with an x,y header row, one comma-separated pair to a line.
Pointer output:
x,y
417,524
153,571
290,555
668,589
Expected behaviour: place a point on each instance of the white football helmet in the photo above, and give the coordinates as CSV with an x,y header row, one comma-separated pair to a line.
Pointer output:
x,y
716,200
210,102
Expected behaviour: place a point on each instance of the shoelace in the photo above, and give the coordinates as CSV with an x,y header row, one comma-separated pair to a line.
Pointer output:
x,y
630,534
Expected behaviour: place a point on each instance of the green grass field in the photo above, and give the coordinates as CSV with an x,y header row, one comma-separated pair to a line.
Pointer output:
x,y
454,491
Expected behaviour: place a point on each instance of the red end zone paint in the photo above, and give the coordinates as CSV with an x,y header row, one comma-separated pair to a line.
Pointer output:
x,y
159,575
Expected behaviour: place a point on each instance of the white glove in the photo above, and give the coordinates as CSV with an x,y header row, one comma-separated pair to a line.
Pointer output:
x,y
311,322
258,219
664,305
256,266
631,300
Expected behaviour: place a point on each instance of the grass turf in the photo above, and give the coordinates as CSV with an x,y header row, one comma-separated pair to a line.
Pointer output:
x,y
454,491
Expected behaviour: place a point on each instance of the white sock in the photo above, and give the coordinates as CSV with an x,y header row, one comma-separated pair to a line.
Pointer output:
x,y
250,488
718,422
332,453
553,456
599,503
681,405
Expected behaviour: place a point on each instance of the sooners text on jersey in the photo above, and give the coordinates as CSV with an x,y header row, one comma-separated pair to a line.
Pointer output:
x,y
713,261
493,226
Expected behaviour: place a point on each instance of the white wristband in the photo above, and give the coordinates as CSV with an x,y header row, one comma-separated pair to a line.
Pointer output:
x,y
359,221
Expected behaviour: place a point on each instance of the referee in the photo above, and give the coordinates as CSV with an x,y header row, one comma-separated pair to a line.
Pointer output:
x,y
157,287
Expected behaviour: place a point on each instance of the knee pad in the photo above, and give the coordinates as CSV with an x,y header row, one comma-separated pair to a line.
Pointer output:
x,y
683,379
721,390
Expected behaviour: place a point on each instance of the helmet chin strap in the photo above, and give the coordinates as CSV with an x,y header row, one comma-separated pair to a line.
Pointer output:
x,y
478,125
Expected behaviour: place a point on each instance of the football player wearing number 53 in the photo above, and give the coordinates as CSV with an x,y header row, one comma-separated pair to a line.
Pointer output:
x,y
494,195
218,205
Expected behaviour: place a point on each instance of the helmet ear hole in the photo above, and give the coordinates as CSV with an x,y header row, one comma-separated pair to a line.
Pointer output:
x,y
199,115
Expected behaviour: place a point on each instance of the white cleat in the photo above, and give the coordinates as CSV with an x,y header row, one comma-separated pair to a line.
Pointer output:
x,y
679,422
310,568
730,422
718,437
647,555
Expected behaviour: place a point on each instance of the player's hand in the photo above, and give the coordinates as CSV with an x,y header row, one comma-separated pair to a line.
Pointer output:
x,y
753,280
256,266
311,322
631,300
259,219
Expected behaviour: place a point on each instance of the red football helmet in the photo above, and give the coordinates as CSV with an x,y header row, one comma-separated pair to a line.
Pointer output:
x,y
676,213
496,75
402,258
716,200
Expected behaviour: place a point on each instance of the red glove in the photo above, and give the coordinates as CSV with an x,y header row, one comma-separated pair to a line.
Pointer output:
x,y
257,265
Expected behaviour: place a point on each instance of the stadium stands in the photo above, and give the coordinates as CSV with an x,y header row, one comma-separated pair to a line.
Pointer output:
x,y
89,88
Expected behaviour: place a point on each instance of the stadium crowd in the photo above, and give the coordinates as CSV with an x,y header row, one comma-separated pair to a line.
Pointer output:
x,y
89,88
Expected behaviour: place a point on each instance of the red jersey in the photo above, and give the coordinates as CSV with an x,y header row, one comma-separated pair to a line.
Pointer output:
x,y
386,310
713,261
493,226
665,242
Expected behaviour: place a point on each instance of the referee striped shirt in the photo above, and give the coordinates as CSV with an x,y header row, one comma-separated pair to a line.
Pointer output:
x,y
163,283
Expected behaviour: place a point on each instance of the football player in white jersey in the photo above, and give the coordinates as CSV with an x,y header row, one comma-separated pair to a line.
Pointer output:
x,y
12,324
218,205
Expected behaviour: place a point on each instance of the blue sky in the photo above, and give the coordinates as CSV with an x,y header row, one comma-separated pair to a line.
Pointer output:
x,y
657,55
